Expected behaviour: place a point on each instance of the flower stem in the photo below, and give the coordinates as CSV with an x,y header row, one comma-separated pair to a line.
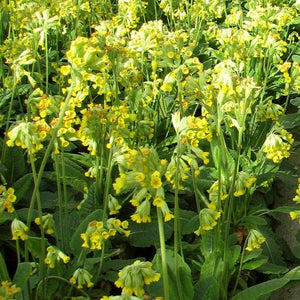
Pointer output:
x,y
163,254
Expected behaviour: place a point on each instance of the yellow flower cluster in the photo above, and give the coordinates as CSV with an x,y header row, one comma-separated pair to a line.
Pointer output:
x,y
55,255
197,129
243,182
19,230
254,240
81,277
132,278
47,222
295,214
269,111
7,198
142,170
277,145
8,290
208,218
98,125
96,233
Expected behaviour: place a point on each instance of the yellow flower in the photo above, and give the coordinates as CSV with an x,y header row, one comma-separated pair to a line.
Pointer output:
x,y
155,180
254,240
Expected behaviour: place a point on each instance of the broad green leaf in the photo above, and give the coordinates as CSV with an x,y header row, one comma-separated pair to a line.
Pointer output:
x,y
189,221
22,274
22,186
213,267
146,234
296,250
294,274
15,162
156,288
270,246
234,253
76,241
90,202
258,290
296,57
296,101
253,221
5,216
269,268
208,243
254,263
207,289
3,269
35,246
249,255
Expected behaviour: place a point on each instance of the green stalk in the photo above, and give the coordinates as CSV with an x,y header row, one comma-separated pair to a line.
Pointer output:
x,y
240,266
177,234
40,214
163,254
65,194
60,202
107,182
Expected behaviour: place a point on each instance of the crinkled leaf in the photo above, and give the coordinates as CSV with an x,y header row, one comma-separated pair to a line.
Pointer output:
x,y
146,234
269,268
258,290
207,289
156,288
22,186
189,221
22,274
254,263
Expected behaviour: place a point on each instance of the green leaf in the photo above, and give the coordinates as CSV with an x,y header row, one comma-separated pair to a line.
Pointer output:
x,y
89,203
3,269
156,288
189,221
22,274
269,268
249,255
270,247
35,246
258,290
296,57
22,186
296,250
294,274
15,162
234,253
283,209
74,173
5,216
213,267
207,289
253,221
146,234
76,240
208,243
255,263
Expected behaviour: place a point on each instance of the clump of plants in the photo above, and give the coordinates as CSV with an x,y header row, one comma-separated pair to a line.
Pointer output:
x,y
140,145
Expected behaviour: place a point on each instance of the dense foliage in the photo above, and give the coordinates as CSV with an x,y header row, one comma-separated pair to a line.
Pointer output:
x,y
140,145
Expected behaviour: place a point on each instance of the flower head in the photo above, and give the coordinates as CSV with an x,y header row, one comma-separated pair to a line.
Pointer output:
x,y
132,278
19,230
